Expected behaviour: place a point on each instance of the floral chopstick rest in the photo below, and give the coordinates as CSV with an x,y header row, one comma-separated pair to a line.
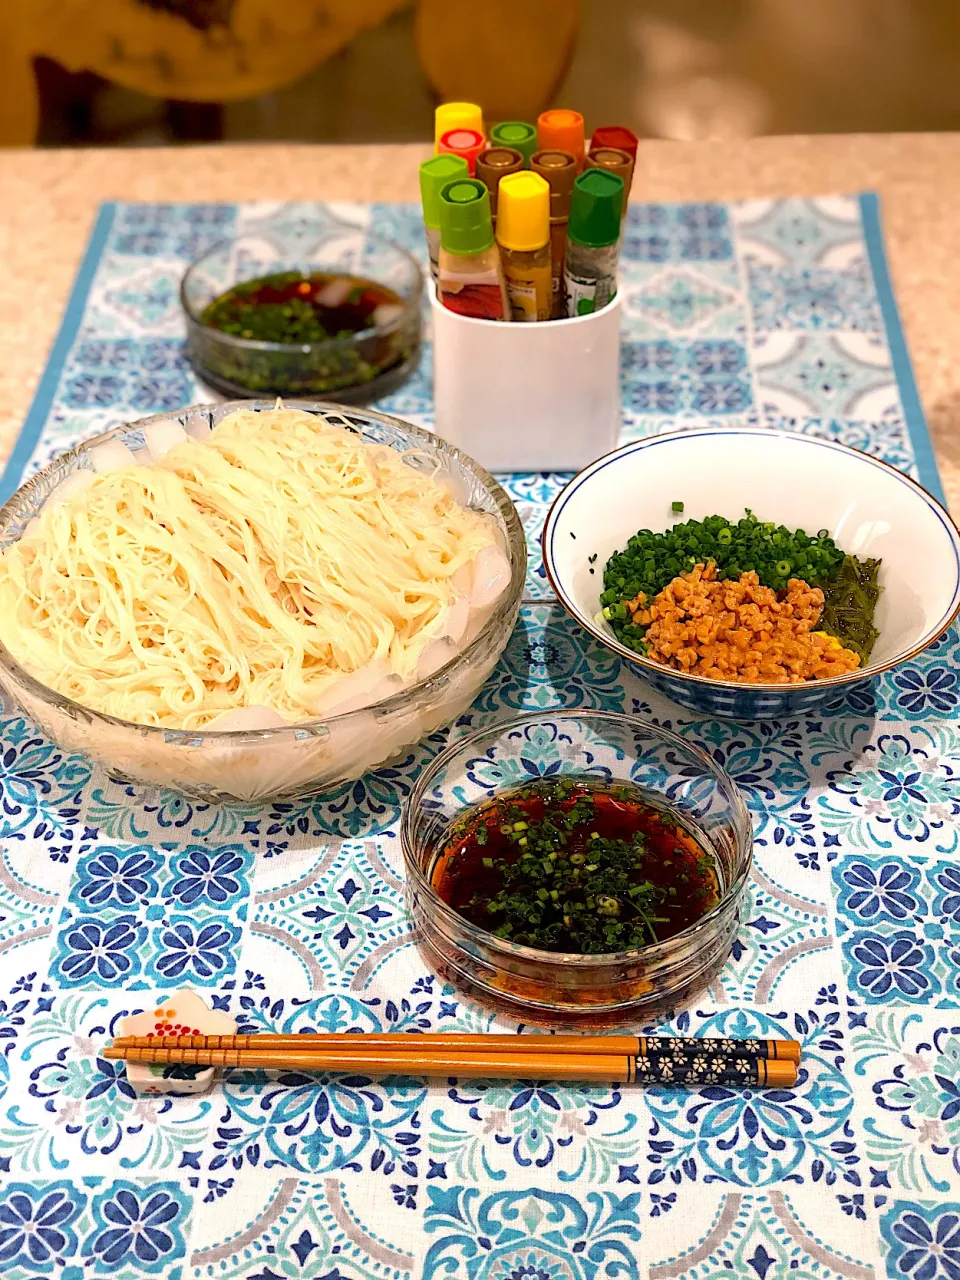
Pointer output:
x,y
181,1015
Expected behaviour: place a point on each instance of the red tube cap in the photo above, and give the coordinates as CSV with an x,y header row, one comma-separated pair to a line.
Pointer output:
x,y
463,142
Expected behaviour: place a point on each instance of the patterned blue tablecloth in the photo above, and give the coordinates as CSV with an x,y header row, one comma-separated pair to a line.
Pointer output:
x,y
291,916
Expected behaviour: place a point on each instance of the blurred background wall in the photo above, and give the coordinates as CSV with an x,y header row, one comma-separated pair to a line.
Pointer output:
x,y
371,70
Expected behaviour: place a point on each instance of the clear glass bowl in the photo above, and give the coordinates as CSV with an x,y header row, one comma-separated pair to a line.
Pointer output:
x,y
354,369
551,987
305,758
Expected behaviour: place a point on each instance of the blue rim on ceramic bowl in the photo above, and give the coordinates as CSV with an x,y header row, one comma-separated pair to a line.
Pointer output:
x,y
627,489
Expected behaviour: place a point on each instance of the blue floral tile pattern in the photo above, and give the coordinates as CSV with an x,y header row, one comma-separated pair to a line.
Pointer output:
x,y
124,1228
800,233
66,1106
531,1233
583,1133
804,1134
339,914
683,299
904,787
922,1240
551,662
898,920
910,1063
812,298
141,915
147,377
820,372
678,233
703,377
755,1234
291,917
302,1229
41,788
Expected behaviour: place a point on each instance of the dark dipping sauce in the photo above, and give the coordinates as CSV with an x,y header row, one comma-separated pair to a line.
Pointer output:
x,y
322,332
574,867
292,307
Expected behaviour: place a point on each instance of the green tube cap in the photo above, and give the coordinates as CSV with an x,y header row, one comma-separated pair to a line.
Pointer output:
x,y
595,208
434,176
466,226
517,134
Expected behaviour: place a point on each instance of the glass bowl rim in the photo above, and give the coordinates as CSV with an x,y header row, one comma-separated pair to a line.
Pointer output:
x,y
655,951
516,552
410,305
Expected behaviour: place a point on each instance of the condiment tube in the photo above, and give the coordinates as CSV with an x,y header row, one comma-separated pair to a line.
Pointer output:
x,y
528,397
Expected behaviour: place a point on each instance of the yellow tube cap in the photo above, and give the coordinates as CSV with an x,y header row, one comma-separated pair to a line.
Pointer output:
x,y
456,115
523,211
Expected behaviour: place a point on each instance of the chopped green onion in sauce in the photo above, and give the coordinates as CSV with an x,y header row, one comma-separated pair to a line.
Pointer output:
x,y
292,307
573,866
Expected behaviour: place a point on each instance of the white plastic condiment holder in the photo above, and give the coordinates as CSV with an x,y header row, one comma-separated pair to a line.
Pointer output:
x,y
528,397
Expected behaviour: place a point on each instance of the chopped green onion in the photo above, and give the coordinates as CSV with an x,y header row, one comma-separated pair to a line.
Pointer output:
x,y
651,560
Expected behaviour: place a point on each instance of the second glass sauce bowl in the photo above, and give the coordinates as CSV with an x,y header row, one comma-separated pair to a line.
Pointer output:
x,y
354,368
606,748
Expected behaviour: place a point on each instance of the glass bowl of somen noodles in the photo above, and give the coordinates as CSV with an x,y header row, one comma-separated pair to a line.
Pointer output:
x,y
254,601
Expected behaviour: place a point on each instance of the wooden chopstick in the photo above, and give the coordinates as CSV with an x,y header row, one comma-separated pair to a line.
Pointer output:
x,y
732,1070
451,1043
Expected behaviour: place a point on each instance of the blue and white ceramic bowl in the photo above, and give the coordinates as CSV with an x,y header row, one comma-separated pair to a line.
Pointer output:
x,y
871,509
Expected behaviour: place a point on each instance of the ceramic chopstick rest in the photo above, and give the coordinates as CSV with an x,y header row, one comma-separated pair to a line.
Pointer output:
x,y
181,1014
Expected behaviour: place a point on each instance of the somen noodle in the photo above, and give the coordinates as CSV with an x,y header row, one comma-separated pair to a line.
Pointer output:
x,y
278,563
